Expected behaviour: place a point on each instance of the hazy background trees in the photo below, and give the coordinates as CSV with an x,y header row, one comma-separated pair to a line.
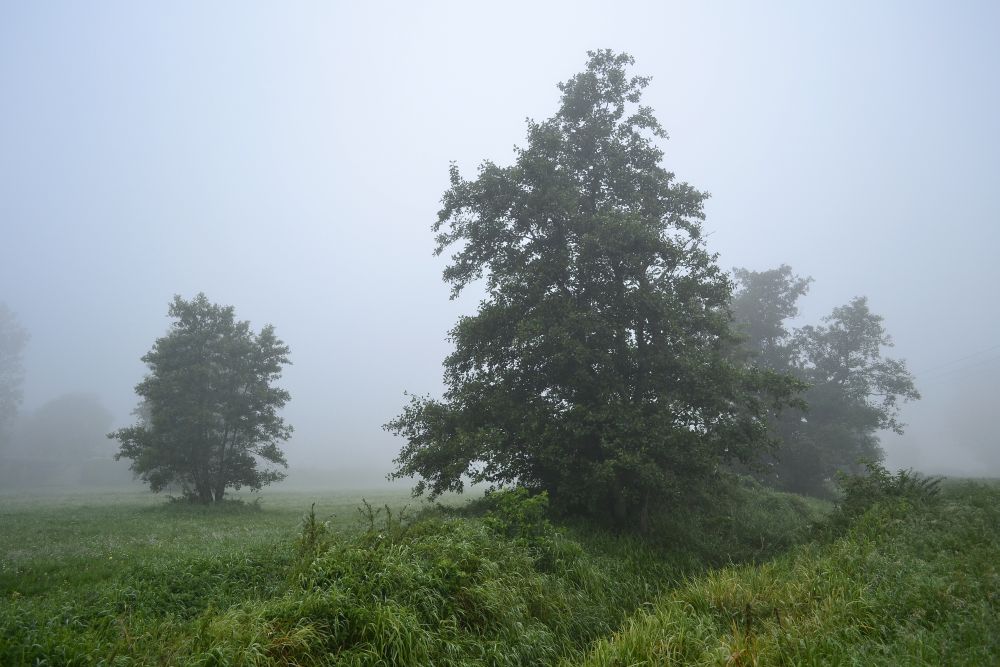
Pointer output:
x,y
852,390
62,443
208,420
762,305
133,170
13,339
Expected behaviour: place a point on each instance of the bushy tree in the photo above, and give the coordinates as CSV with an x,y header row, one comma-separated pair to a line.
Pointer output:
x,y
13,339
209,411
594,369
852,391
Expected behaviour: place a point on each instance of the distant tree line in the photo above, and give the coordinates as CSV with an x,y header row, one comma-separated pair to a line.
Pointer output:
x,y
13,340
62,442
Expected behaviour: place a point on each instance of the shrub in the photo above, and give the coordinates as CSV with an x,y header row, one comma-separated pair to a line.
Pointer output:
x,y
516,513
876,484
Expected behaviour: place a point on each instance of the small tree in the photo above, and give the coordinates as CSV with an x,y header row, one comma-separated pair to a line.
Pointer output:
x,y
209,411
595,368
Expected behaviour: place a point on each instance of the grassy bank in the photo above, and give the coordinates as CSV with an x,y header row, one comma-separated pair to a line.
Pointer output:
x,y
909,584
130,580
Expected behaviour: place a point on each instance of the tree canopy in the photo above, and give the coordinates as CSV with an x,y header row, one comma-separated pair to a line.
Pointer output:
x,y
595,367
209,411
852,390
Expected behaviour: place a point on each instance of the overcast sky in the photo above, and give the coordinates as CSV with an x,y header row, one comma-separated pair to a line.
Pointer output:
x,y
289,159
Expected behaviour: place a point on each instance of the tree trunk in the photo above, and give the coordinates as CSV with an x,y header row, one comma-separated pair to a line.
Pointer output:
x,y
619,508
644,514
204,494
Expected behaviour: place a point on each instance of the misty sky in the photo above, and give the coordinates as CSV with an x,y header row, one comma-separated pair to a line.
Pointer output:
x,y
289,159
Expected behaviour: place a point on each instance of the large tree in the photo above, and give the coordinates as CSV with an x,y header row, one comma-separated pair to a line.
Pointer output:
x,y
852,390
595,367
209,413
13,338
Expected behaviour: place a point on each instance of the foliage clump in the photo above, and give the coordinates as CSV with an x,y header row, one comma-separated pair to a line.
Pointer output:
x,y
517,514
859,492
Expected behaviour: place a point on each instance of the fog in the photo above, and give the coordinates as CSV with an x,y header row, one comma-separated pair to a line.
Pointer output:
x,y
289,159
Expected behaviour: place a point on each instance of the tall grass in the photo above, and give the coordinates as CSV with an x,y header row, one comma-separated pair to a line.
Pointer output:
x,y
123,578
509,589
494,583
912,582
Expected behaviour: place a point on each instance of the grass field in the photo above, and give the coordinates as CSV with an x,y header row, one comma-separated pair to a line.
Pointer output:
x,y
143,564
58,542
127,579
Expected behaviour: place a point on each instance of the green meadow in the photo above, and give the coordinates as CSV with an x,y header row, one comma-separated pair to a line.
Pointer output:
x,y
754,578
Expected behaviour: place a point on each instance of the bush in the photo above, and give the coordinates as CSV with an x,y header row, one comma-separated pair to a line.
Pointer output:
x,y
876,484
440,591
516,513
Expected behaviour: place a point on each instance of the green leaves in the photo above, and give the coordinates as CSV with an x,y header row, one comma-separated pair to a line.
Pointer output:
x,y
210,410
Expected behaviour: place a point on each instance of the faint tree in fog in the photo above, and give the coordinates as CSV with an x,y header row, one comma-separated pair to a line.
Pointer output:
x,y
209,413
13,339
62,442
762,303
595,367
69,428
852,392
